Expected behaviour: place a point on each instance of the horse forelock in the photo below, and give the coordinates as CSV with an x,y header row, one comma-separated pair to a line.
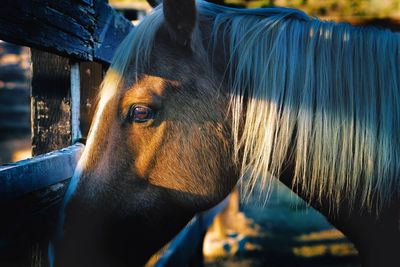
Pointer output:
x,y
322,95
135,50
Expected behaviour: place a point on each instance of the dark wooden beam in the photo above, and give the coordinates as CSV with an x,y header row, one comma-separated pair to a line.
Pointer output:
x,y
184,246
91,76
50,102
49,27
81,29
17,179
31,192
111,28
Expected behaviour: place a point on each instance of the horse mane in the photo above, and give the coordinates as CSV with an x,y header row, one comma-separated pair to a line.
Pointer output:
x,y
321,95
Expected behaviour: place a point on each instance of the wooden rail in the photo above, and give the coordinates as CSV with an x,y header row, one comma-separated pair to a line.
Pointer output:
x,y
17,179
31,192
183,247
80,29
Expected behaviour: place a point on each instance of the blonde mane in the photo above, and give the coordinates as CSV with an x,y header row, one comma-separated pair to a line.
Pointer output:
x,y
321,95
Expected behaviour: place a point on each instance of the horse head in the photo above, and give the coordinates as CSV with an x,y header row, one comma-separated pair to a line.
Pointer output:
x,y
199,95
153,154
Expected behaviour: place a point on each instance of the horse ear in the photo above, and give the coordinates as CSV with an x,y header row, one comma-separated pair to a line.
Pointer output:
x,y
180,18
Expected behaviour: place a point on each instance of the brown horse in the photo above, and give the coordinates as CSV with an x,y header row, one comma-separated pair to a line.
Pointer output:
x,y
200,96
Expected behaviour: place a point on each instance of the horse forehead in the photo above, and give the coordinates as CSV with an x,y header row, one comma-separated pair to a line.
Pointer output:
x,y
151,85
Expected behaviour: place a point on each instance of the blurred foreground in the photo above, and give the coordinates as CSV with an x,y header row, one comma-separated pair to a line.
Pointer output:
x,y
284,232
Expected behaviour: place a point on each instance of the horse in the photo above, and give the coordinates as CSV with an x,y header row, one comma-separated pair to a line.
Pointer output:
x,y
201,96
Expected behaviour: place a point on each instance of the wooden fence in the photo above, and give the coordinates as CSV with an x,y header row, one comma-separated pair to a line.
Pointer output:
x,y
72,43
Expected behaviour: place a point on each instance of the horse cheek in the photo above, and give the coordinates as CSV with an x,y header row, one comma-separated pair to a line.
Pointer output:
x,y
144,144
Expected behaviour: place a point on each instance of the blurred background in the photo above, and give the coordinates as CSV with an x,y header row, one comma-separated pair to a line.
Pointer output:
x,y
327,8
15,121
283,231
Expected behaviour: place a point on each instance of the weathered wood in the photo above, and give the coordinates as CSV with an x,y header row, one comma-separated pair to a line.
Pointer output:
x,y
185,244
81,11
17,179
111,29
32,23
31,192
75,28
85,30
75,102
91,76
51,107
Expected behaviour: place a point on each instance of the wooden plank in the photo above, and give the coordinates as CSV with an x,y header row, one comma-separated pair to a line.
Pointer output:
x,y
17,179
91,76
185,244
81,12
30,23
75,102
50,102
111,29
84,30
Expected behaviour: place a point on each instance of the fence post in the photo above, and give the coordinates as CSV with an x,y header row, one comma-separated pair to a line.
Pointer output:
x,y
55,109
91,76
50,102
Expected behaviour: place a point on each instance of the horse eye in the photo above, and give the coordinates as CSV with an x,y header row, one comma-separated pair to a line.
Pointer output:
x,y
140,114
